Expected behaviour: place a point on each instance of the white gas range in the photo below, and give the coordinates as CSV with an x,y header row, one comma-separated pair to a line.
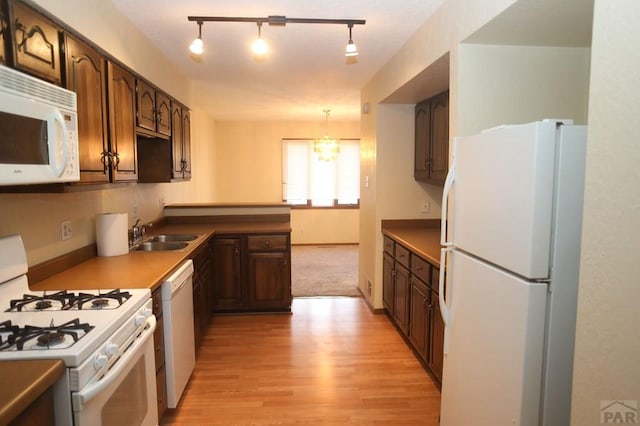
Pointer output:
x,y
104,337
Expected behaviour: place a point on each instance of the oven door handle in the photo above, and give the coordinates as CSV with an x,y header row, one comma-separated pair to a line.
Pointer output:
x,y
90,391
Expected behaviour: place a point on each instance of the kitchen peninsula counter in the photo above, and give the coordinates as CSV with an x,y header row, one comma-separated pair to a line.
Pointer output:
x,y
24,382
420,236
140,269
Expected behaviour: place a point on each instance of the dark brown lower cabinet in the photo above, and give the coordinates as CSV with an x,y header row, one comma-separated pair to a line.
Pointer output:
x,y
436,332
420,316
410,298
202,291
252,273
158,344
401,298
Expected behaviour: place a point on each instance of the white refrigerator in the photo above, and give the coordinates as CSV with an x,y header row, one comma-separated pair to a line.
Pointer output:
x,y
511,228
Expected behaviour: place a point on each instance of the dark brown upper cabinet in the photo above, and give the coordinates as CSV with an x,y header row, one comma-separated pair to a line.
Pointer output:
x,y
181,141
86,75
35,43
153,109
121,87
432,139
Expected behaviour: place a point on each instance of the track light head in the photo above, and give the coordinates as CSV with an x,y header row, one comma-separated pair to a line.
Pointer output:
x,y
351,49
259,46
197,46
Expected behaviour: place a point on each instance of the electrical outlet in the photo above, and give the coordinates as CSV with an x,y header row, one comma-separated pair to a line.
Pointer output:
x,y
65,230
134,210
424,206
369,287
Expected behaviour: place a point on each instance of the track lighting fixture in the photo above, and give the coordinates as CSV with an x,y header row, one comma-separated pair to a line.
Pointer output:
x,y
351,49
197,46
259,46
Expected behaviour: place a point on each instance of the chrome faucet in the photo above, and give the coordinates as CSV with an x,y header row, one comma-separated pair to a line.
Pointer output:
x,y
137,233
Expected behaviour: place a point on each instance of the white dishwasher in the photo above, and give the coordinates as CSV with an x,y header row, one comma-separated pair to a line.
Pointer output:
x,y
179,341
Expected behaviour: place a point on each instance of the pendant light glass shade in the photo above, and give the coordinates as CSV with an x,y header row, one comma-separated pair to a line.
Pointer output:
x,y
326,147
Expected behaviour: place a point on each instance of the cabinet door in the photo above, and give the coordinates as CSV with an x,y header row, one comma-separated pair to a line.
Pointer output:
x,y
439,146
122,112
436,338
387,283
419,325
36,46
227,277
146,105
268,283
86,70
163,113
197,310
401,297
186,143
422,135
177,141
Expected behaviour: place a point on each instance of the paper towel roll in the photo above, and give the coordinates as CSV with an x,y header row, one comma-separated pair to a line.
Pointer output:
x,y
112,234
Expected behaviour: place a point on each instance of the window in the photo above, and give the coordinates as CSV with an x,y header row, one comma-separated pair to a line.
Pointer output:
x,y
309,181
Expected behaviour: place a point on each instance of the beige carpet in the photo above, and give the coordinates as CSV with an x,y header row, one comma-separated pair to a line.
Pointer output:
x,y
324,270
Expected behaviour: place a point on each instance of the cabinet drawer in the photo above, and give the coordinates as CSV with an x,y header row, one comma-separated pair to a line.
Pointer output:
x,y
267,242
420,268
402,255
389,245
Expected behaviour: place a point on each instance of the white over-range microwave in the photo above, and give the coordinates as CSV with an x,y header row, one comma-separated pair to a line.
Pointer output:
x,y
38,131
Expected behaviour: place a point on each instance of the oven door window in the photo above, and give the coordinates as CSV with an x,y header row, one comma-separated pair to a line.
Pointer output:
x,y
129,398
24,140
128,404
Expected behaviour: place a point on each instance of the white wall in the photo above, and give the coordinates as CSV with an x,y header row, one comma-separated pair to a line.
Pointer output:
x,y
518,84
608,338
248,167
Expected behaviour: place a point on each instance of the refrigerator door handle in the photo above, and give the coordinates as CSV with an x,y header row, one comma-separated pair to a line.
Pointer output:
x,y
448,183
445,312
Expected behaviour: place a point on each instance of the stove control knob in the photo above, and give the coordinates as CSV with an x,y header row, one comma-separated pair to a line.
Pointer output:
x,y
140,319
99,362
146,312
110,349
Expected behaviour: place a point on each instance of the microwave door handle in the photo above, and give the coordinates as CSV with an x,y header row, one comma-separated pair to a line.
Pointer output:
x,y
58,167
90,391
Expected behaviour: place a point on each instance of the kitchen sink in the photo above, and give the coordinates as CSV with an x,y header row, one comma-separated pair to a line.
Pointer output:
x,y
172,237
160,246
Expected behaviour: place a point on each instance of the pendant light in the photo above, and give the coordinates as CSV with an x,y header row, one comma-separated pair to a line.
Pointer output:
x,y
326,147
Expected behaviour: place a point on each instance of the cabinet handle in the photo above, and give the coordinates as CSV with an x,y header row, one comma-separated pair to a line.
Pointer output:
x,y
116,156
236,251
267,243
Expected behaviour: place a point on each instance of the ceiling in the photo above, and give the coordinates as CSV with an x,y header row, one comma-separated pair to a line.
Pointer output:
x,y
306,70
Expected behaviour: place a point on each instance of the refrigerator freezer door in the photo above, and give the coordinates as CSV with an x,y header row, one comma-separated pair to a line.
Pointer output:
x,y
502,197
493,369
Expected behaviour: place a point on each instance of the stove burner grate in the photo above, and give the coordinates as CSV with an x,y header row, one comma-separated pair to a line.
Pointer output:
x,y
46,301
49,336
100,300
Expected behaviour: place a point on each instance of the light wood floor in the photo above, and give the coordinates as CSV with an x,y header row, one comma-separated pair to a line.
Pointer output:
x,y
332,362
